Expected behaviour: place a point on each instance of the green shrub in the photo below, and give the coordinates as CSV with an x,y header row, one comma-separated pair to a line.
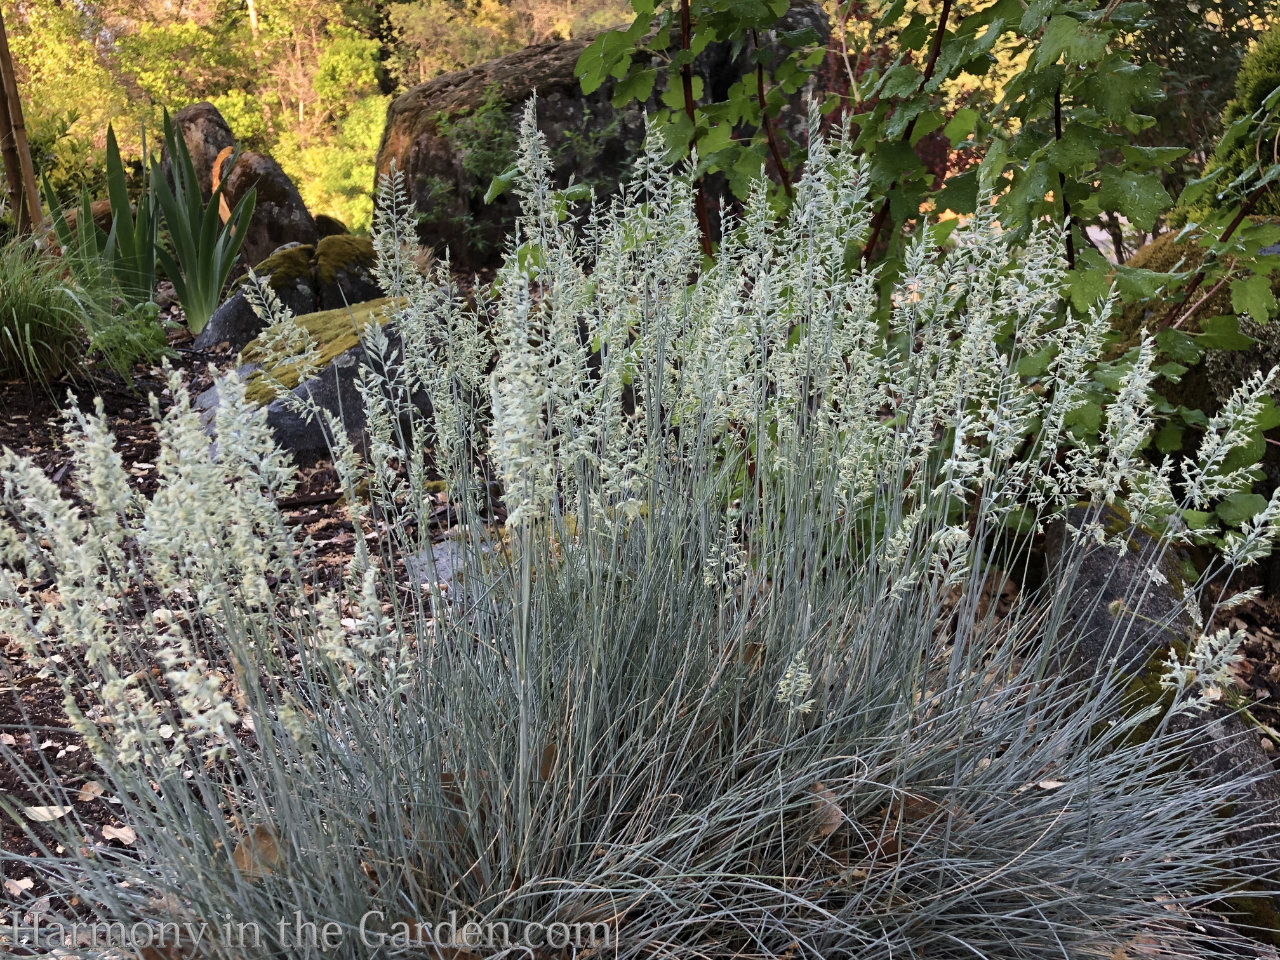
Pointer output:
x,y
723,684
336,175
127,337
55,309
1258,78
40,311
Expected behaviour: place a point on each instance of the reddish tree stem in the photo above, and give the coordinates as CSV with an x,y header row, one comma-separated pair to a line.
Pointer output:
x,y
882,215
1245,209
770,134
1201,302
686,80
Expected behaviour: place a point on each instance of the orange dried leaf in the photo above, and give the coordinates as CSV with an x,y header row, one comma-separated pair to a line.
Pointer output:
x,y
258,854
827,813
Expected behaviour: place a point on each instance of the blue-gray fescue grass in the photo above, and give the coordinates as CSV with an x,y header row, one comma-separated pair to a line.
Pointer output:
x,y
727,681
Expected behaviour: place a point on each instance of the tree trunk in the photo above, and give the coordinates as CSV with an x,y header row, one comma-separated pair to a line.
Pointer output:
x,y
19,172
9,157
253,23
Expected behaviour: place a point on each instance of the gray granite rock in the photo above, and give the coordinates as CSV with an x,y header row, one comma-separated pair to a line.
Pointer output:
x,y
333,389
587,137
1126,608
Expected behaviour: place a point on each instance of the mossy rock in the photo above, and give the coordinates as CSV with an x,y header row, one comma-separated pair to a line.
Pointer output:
x,y
1207,386
1103,598
335,331
287,266
328,226
329,275
333,387
450,135
289,274
326,262
342,252
1124,619
1165,254
343,270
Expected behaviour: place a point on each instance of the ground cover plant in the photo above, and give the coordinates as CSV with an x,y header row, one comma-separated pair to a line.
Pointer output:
x,y
55,309
708,664
41,310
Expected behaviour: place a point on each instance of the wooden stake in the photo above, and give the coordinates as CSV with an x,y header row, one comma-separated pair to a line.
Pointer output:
x,y
16,151
9,156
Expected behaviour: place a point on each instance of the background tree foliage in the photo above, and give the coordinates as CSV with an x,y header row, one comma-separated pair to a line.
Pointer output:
x,y
1259,76
306,80
1091,115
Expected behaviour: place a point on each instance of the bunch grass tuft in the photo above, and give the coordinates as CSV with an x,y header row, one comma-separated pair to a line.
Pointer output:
x,y
725,682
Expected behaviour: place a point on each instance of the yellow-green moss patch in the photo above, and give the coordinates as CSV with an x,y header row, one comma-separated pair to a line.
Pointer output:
x,y
335,331
342,252
1163,255
285,267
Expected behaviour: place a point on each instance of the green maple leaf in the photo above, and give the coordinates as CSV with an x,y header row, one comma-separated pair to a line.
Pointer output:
x,y
1253,296
1139,197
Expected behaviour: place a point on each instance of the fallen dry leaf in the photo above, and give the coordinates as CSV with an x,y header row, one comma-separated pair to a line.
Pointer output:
x,y
827,812
258,854
15,888
46,814
124,834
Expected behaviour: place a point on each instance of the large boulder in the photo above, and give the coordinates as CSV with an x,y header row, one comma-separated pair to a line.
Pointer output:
x,y
279,214
206,135
452,135
1209,386
334,273
1106,624
341,335
1128,610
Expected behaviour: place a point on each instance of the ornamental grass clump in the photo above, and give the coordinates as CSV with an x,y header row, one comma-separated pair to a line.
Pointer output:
x,y
724,681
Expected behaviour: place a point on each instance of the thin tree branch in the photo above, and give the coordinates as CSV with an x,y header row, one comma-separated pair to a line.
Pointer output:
x,y
882,215
770,134
1200,303
1245,209
686,80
